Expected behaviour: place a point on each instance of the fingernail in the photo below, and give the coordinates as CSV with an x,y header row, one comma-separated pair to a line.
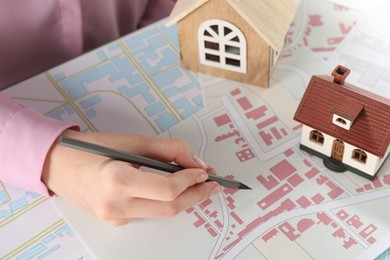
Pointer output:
x,y
217,189
200,163
202,178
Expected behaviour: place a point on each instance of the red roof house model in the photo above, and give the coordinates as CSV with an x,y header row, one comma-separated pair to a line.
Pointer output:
x,y
346,125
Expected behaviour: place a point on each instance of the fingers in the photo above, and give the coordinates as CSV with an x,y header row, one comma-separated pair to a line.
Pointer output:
x,y
117,192
145,208
164,188
164,149
168,150
153,208
136,194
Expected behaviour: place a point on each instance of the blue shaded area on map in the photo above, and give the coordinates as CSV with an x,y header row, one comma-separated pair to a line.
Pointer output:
x,y
48,244
143,65
13,206
3,197
384,256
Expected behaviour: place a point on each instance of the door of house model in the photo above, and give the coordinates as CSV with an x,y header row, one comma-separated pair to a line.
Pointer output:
x,y
338,150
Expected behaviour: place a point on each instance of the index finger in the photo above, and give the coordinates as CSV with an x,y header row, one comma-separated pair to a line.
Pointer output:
x,y
143,208
155,186
168,150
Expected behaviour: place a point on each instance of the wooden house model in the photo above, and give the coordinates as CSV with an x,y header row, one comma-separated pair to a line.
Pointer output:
x,y
233,39
345,125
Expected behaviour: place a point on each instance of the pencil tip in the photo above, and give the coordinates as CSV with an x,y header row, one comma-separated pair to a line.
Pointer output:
x,y
244,187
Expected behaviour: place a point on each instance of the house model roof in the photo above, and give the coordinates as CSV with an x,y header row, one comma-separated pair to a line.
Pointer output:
x,y
370,113
269,18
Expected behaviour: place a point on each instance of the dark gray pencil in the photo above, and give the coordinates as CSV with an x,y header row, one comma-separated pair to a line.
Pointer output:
x,y
141,161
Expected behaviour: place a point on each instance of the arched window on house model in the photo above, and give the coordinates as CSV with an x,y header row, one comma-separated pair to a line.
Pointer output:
x,y
223,45
316,136
359,155
341,121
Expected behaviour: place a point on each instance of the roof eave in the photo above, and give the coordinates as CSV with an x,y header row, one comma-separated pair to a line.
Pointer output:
x,y
183,8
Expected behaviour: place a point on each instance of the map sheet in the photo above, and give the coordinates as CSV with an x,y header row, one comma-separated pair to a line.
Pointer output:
x,y
296,203
133,85
297,208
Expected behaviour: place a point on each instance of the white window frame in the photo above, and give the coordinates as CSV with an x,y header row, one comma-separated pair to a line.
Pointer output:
x,y
335,120
222,41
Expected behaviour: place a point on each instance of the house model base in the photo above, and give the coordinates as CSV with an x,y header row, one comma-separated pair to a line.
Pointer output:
x,y
346,126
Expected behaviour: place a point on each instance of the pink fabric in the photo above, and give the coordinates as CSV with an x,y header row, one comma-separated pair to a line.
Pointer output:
x,y
36,35
25,138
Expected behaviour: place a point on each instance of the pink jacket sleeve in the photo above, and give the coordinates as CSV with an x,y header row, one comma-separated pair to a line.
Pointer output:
x,y
25,139
50,33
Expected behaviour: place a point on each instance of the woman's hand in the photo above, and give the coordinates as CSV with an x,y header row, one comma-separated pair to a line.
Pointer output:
x,y
117,191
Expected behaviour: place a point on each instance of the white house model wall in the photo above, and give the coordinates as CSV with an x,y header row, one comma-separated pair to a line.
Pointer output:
x,y
370,166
